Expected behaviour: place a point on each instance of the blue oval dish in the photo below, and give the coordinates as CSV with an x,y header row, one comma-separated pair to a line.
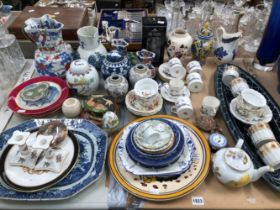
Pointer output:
x,y
156,160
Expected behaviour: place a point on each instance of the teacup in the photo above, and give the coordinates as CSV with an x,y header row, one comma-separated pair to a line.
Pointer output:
x,y
176,87
146,90
261,133
183,107
210,106
175,67
194,66
237,85
230,73
270,154
195,83
251,103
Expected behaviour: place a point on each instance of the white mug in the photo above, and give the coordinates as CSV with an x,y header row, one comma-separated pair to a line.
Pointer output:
x,y
230,73
237,85
183,107
175,67
270,154
176,87
195,83
210,106
194,66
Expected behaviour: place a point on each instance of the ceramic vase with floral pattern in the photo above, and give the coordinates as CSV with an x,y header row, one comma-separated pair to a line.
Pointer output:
x,y
146,57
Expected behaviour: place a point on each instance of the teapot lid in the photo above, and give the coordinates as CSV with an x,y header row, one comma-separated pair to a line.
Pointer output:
x,y
237,159
79,66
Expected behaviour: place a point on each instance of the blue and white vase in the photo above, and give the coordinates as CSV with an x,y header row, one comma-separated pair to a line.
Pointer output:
x,y
116,62
226,45
146,57
91,49
53,56
269,49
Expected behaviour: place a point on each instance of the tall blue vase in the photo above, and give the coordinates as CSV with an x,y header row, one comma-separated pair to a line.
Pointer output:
x,y
269,49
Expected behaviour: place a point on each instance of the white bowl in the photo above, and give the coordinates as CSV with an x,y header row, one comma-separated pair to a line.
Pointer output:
x,y
146,88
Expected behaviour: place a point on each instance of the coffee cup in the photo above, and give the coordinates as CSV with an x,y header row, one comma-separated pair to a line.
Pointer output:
x,y
195,83
175,67
230,73
270,154
261,133
194,66
176,87
237,85
210,106
183,107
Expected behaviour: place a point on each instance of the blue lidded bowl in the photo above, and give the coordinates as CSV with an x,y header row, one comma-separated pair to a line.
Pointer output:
x,y
156,160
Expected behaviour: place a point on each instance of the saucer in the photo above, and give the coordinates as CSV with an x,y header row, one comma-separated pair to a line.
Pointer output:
x,y
159,141
140,108
164,91
167,77
250,121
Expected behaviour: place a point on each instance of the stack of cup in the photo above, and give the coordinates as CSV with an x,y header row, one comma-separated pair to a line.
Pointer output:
x,y
194,79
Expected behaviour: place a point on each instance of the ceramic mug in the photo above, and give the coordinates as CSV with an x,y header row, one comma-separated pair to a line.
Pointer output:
x,y
210,106
251,103
195,83
194,66
176,87
261,133
183,107
175,67
270,154
237,85
230,73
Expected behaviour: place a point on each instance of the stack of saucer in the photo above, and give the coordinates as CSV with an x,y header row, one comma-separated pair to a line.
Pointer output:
x,y
156,147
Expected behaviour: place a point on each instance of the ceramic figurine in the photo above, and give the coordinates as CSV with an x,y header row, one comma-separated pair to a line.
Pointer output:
x,y
226,45
146,57
82,77
203,44
179,43
110,122
53,56
234,168
116,61
139,71
117,87
71,107
91,49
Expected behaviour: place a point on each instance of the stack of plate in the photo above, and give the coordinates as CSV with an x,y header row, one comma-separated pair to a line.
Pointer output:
x,y
159,158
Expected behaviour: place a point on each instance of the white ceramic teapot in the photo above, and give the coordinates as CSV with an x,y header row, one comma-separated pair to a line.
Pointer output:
x,y
233,166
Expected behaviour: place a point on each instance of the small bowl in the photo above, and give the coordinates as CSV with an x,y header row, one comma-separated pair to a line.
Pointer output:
x,y
146,88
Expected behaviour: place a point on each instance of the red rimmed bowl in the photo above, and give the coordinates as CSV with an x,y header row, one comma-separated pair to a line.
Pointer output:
x,y
53,105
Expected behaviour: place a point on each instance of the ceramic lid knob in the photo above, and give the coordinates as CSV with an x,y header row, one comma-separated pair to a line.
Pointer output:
x,y
79,66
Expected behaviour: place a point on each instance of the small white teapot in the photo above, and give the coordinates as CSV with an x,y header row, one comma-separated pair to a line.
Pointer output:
x,y
233,166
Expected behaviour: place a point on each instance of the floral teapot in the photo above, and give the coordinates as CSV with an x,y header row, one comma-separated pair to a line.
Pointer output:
x,y
233,166
226,45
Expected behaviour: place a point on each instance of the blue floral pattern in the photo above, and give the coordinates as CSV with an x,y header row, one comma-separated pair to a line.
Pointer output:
x,y
220,53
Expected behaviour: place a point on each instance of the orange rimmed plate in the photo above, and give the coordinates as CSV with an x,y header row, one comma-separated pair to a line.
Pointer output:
x,y
161,189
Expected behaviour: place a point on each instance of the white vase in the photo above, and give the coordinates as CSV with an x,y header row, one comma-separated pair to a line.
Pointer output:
x,y
91,49
179,43
139,71
82,78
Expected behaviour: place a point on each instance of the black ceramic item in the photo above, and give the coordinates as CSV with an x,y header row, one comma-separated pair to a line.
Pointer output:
x,y
239,129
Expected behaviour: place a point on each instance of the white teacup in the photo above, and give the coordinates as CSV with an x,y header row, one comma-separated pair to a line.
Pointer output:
x,y
210,106
194,66
146,90
261,133
183,107
237,85
175,67
251,103
176,87
195,83
270,154
230,73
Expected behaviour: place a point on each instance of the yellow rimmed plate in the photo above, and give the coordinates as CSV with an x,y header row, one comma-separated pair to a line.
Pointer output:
x,y
160,189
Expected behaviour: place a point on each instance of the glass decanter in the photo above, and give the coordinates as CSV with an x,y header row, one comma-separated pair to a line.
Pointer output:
x,y
12,59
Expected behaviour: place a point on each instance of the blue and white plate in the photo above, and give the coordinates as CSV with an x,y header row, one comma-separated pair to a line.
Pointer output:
x,y
93,145
178,167
157,161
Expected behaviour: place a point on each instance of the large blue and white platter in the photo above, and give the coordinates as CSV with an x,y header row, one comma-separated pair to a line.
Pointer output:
x,y
89,167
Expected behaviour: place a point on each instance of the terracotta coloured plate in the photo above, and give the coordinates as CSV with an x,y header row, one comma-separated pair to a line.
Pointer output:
x,y
160,189
59,90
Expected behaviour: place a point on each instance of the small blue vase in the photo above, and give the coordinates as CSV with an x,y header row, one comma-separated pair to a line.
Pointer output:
x,y
269,48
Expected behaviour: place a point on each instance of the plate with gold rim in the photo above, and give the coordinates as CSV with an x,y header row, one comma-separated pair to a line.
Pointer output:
x,y
158,188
